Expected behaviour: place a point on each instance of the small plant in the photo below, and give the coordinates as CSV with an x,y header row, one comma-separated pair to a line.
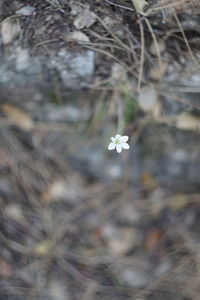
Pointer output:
x,y
130,110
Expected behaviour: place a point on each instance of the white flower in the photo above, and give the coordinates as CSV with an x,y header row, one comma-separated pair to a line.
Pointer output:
x,y
119,143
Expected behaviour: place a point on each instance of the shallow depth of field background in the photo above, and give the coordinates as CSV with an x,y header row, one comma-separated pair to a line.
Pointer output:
x,y
79,222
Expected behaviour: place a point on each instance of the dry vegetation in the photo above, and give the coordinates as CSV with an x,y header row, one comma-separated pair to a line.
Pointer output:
x,y
75,222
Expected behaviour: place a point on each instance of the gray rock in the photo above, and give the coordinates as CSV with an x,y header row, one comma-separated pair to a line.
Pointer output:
x,y
75,70
20,67
167,155
68,113
17,68
22,60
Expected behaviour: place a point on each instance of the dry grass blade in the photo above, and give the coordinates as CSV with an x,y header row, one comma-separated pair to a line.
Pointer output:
x,y
119,5
107,53
15,246
174,4
55,4
155,42
141,56
18,117
186,41
118,40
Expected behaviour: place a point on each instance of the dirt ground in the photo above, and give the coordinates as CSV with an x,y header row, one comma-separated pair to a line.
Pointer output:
x,y
78,221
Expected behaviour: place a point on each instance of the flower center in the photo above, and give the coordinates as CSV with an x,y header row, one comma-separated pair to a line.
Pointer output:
x,y
117,141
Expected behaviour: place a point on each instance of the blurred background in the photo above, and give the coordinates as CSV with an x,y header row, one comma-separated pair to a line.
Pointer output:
x,y
78,221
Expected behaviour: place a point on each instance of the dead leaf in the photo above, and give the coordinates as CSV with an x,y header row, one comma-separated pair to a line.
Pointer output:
x,y
25,10
55,191
43,248
121,244
139,6
6,270
153,238
186,121
14,211
157,71
178,202
78,36
119,241
18,117
75,8
85,19
148,180
69,190
10,29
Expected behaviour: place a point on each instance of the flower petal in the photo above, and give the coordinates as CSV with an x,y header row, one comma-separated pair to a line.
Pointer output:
x,y
119,148
111,146
118,136
125,146
124,138
113,139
